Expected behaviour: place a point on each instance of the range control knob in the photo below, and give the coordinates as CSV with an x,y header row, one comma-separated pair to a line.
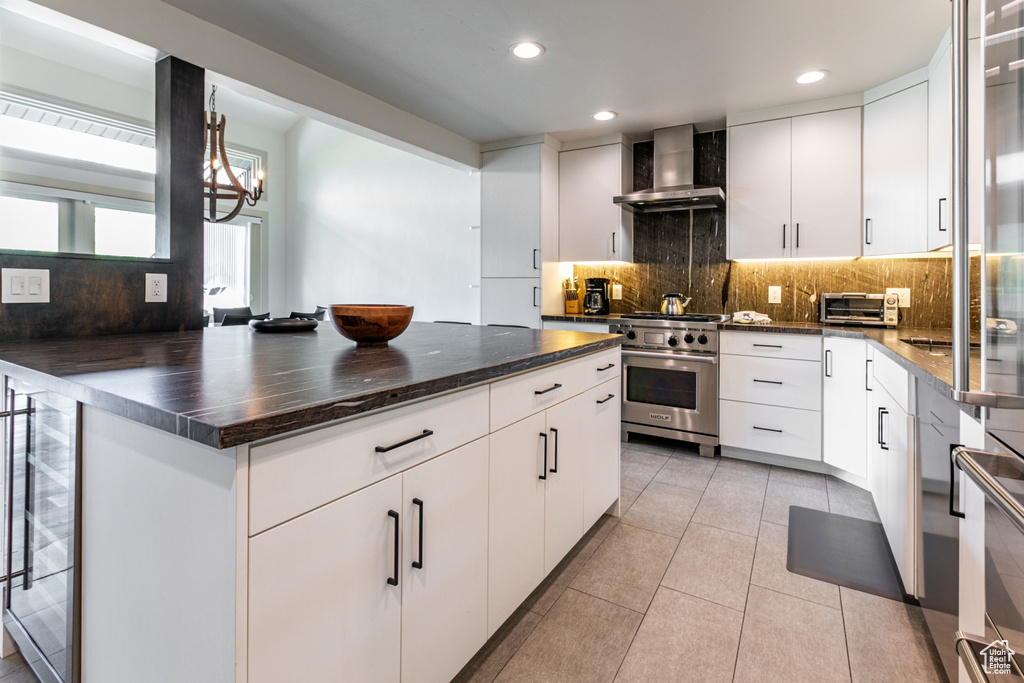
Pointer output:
x,y
688,338
702,339
631,334
673,341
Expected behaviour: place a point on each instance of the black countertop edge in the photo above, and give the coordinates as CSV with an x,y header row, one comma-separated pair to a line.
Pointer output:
x,y
192,426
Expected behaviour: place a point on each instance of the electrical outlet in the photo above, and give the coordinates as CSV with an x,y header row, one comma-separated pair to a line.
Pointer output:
x,y
775,295
156,288
617,292
25,286
902,292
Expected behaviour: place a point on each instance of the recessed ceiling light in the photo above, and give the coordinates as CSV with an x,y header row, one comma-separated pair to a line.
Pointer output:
x,y
527,50
811,77
605,115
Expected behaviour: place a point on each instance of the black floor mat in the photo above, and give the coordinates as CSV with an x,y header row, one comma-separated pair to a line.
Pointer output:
x,y
843,550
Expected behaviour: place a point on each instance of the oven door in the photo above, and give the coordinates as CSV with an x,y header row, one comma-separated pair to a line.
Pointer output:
x,y
670,390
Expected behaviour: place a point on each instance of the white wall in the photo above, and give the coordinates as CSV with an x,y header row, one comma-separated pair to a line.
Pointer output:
x,y
368,223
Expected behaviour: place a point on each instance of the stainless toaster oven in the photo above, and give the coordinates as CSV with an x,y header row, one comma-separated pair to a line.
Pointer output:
x,y
858,308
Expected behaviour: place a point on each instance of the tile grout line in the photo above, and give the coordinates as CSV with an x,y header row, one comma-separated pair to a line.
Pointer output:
x,y
746,604
846,635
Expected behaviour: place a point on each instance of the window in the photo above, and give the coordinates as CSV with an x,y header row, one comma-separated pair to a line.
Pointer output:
x,y
30,224
226,265
120,232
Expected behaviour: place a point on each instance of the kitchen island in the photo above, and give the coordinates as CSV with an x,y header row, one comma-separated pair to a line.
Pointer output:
x,y
291,507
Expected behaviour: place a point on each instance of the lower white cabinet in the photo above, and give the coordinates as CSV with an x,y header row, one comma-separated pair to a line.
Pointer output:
x,y
602,408
333,596
845,374
510,301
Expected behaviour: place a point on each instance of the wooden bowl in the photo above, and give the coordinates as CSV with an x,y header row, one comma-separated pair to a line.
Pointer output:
x,y
368,324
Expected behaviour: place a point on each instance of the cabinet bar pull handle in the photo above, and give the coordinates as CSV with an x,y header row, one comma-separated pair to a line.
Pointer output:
x,y
613,242
867,231
605,400
393,581
881,432
769,346
551,388
535,252
766,429
418,564
767,381
544,472
797,245
941,229
607,367
405,442
828,357
783,235
554,469
536,291
867,374
953,512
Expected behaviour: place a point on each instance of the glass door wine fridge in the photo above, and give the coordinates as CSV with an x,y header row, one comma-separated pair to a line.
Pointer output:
x,y
42,598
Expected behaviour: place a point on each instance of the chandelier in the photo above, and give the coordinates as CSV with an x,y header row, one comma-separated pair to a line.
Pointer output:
x,y
230,189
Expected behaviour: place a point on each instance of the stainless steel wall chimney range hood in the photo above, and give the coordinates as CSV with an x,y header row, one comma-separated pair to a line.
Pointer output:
x,y
673,177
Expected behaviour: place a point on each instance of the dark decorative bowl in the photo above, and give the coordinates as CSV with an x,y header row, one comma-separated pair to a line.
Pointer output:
x,y
367,324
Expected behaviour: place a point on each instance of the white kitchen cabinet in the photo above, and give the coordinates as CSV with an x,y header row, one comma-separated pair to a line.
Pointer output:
x,y
896,172
759,197
602,407
563,495
894,469
794,187
845,374
771,393
510,301
333,615
940,135
373,604
444,582
510,212
590,226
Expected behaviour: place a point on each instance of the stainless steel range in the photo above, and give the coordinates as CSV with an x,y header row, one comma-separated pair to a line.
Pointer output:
x,y
670,377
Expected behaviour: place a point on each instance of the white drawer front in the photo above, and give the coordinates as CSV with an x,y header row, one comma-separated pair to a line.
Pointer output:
x,y
893,377
602,367
771,345
772,381
785,431
519,397
292,476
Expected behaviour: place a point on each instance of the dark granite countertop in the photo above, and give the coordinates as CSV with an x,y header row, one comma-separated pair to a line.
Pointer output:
x,y
227,386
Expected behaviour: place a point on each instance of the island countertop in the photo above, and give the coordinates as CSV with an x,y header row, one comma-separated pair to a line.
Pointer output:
x,y
227,386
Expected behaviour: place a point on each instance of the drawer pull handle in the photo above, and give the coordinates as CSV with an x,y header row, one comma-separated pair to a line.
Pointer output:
x,y
418,564
544,471
953,512
399,444
882,412
828,364
607,367
551,388
393,581
554,470
769,346
605,400
867,374
767,429
767,381
936,417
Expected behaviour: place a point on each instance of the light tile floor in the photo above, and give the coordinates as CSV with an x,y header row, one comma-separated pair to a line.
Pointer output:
x,y
690,584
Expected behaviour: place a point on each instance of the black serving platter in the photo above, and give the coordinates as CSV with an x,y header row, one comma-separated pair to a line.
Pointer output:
x,y
283,325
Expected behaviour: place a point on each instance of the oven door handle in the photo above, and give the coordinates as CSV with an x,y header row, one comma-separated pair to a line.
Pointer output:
x,y
626,353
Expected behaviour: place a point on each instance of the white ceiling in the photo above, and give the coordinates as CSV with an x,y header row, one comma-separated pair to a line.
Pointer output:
x,y
655,62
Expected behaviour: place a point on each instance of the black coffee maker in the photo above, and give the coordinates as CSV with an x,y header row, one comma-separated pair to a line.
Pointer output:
x,y
595,299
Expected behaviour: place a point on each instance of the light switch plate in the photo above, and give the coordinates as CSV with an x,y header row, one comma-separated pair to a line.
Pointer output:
x,y
156,288
775,295
25,286
617,292
902,292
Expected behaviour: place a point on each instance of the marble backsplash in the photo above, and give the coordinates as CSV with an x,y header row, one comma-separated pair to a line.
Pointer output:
x,y
684,251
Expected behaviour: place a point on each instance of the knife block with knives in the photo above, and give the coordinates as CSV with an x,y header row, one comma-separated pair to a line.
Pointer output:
x,y
573,300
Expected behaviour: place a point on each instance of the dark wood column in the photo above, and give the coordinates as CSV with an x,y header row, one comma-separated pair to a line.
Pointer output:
x,y
179,183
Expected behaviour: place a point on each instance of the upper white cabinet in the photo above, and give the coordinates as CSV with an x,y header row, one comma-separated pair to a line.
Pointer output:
x,y
940,135
896,172
590,226
794,186
514,203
